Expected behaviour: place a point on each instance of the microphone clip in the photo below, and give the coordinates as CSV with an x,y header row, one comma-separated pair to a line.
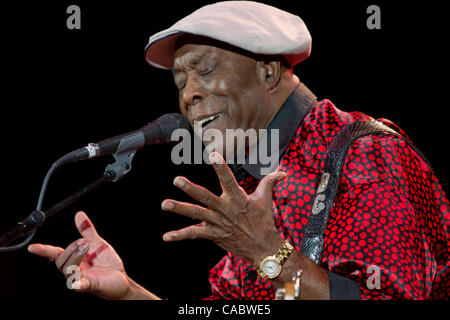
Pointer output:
x,y
124,155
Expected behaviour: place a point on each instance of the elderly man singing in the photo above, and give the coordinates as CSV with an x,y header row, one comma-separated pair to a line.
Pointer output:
x,y
352,211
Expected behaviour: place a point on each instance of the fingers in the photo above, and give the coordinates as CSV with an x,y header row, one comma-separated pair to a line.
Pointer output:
x,y
198,231
188,210
267,184
197,192
46,251
85,226
226,176
72,255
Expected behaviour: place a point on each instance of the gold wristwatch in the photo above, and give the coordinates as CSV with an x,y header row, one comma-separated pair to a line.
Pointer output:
x,y
270,267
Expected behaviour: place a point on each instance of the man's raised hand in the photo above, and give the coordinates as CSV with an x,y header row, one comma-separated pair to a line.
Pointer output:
x,y
240,223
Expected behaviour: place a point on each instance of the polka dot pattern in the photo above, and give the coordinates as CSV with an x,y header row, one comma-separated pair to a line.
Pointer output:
x,y
387,230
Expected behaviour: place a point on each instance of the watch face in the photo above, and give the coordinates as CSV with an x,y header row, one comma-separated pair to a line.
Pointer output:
x,y
271,267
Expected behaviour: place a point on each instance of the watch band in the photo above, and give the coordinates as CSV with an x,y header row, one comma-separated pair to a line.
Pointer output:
x,y
284,252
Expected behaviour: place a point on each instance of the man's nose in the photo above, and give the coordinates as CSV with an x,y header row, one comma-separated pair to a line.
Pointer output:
x,y
193,93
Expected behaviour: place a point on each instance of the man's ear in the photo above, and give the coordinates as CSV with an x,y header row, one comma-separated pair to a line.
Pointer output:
x,y
269,73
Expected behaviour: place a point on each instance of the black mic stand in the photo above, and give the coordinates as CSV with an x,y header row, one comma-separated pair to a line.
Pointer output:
x,y
113,172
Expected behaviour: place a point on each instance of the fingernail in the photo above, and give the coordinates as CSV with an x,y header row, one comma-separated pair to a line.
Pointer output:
x,y
169,236
76,285
167,205
214,158
178,182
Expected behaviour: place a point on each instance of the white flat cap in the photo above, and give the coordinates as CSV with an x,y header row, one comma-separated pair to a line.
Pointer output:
x,y
252,26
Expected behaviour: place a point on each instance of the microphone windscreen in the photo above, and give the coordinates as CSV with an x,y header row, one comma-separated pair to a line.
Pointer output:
x,y
160,130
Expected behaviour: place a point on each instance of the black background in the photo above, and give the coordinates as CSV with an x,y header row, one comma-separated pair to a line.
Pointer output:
x,y
64,88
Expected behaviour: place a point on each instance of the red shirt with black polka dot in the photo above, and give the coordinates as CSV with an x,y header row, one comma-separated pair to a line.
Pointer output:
x,y
387,230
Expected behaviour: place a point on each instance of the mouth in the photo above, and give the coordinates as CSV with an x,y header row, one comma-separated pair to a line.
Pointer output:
x,y
207,121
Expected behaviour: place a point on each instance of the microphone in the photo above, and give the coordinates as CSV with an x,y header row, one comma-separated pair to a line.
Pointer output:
x,y
122,147
158,131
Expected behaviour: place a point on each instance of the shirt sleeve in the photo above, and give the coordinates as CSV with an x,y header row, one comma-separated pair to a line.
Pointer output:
x,y
223,279
233,278
388,229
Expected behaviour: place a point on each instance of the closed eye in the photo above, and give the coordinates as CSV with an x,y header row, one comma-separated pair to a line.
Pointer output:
x,y
180,83
205,72
202,73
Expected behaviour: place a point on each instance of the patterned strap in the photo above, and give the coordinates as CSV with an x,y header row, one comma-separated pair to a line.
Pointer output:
x,y
312,242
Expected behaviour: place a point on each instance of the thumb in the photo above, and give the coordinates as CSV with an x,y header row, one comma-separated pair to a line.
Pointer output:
x,y
87,283
268,183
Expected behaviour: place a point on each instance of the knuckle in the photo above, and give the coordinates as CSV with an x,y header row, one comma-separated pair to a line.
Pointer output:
x,y
227,180
243,207
174,206
272,180
225,233
205,197
213,234
226,223
192,235
196,213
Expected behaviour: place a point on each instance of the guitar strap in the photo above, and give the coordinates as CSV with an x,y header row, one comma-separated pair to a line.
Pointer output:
x,y
312,242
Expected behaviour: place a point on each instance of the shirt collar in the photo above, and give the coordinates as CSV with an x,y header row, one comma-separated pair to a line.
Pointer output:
x,y
287,120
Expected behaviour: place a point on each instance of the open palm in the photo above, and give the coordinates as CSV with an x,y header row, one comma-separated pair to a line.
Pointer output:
x,y
90,263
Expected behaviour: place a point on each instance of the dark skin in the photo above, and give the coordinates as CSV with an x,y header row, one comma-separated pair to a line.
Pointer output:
x,y
247,93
